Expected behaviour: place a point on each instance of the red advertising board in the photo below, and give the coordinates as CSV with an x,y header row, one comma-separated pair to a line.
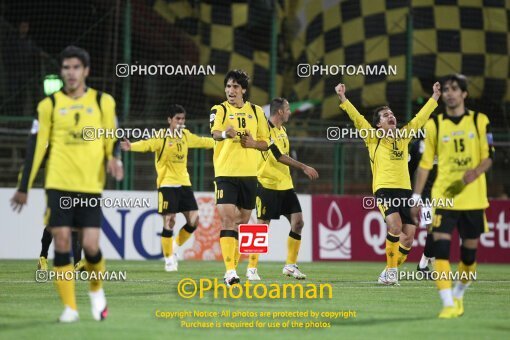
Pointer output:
x,y
344,230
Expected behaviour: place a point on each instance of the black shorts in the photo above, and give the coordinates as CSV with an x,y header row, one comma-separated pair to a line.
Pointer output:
x,y
240,191
176,200
470,223
62,212
398,199
271,204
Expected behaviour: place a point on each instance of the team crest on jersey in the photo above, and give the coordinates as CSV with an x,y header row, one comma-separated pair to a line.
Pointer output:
x,y
471,135
62,111
89,110
446,139
250,116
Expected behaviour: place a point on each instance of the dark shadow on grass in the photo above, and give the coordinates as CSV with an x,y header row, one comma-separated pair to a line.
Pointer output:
x,y
375,322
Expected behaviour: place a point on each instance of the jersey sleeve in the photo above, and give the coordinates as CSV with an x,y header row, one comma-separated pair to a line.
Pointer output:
x,y
109,122
146,145
262,127
357,118
195,141
427,158
486,139
217,118
421,118
37,144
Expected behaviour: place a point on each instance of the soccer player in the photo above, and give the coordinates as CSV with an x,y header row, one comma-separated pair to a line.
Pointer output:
x,y
46,239
391,181
275,191
415,152
75,170
174,187
42,263
462,141
235,163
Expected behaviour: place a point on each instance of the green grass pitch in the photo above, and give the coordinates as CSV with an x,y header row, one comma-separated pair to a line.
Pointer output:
x,y
29,309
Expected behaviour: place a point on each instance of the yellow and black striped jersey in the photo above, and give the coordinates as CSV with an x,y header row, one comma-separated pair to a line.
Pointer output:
x,y
271,173
171,155
230,158
389,156
73,163
460,144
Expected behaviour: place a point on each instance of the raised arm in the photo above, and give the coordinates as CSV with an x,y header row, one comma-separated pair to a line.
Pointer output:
x,y
357,118
421,117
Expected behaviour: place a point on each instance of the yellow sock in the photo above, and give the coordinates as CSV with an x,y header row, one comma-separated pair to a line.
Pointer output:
x,y
237,256
65,287
391,250
293,245
166,242
184,234
228,248
443,266
403,251
253,261
97,268
463,268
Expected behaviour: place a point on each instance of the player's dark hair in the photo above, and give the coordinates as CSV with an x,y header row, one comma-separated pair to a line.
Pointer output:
x,y
240,76
277,104
377,117
459,78
175,109
75,52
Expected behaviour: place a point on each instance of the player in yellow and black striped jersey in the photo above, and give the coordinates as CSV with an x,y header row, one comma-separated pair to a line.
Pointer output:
x,y
76,169
275,190
462,141
389,154
240,130
174,186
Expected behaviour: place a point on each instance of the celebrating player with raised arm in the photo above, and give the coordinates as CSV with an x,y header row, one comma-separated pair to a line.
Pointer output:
x,y
391,182
235,163
75,170
174,186
462,141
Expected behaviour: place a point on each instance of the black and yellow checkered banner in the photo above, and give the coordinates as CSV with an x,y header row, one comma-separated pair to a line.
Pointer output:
x,y
449,36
